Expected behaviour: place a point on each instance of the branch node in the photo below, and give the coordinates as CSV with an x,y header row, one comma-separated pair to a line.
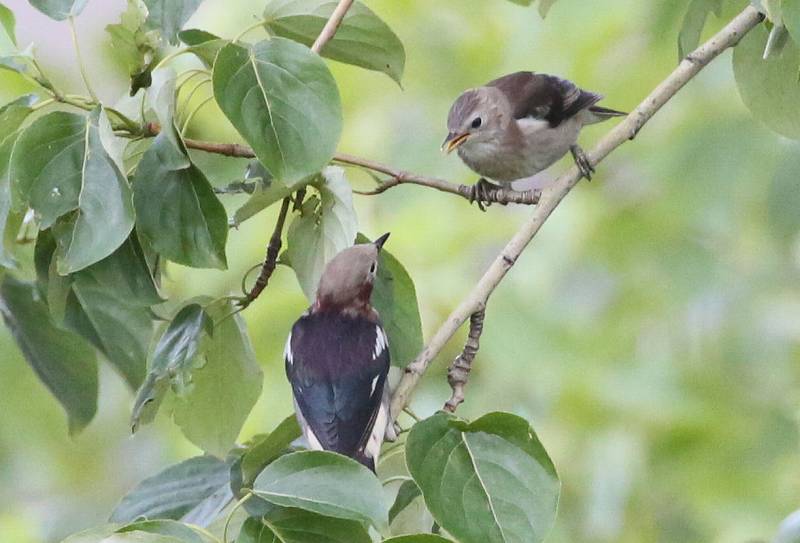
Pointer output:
x,y
271,260
458,373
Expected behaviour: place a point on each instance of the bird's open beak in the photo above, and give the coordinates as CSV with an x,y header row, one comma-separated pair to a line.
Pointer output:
x,y
453,140
381,240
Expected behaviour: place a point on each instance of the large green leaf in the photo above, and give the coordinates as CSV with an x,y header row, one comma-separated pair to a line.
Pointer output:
x,y
395,298
204,45
177,211
62,170
59,9
418,538
267,192
288,525
174,492
362,39
326,483
408,492
266,450
768,87
170,528
225,388
326,227
169,16
283,100
693,23
64,362
484,482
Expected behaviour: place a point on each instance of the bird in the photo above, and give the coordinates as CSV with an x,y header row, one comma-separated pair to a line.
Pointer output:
x,y
520,124
337,360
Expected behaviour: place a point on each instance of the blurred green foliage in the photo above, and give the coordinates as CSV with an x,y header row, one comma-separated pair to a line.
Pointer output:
x,y
651,333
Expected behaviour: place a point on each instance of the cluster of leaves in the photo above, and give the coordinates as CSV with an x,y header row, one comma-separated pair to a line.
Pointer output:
x,y
111,195
766,63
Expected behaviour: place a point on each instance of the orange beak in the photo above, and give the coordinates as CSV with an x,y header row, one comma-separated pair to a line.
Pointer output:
x,y
452,141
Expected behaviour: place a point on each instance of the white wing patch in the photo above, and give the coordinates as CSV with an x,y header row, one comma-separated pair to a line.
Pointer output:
x,y
287,351
373,446
381,343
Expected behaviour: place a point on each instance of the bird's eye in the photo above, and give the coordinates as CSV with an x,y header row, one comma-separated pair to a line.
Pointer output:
x,y
476,122
373,268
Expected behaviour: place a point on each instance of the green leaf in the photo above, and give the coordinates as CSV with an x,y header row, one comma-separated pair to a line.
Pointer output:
x,y
169,16
181,341
408,492
224,389
267,192
64,362
12,116
288,525
693,23
395,298
173,492
484,482
326,483
283,100
177,212
134,45
204,45
266,450
791,18
8,22
769,87
170,528
120,330
62,168
326,227
14,113
362,39
418,538
59,9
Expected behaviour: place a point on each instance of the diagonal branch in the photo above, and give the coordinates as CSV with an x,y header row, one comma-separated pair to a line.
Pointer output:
x,y
330,28
626,130
271,260
458,373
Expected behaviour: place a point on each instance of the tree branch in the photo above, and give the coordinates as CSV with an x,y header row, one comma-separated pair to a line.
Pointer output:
x,y
626,130
271,260
458,373
330,28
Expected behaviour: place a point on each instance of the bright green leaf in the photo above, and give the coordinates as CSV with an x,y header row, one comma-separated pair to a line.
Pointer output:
x,y
169,16
395,298
59,9
326,483
326,227
270,447
289,525
135,46
769,87
8,22
283,100
693,23
224,389
181,341
362,39
484,482
64,362
204,45
408,492
173,492
170,528
177,211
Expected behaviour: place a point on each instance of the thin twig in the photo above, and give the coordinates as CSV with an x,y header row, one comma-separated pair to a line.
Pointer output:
x,y
81,67
458,373
626,130
271,260
330,28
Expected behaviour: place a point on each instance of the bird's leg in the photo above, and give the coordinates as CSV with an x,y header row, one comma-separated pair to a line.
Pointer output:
x,y
481,193
582,161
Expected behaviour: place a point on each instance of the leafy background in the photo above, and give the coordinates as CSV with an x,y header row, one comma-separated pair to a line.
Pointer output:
x,y
651,334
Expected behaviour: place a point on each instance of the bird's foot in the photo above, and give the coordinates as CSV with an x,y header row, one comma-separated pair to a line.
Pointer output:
x,y
582,161
482,193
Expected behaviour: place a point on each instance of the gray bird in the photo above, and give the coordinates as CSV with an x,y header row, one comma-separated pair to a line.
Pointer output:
x,y
520,124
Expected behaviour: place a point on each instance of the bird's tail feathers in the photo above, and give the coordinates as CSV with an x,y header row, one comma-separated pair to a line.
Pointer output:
x,y
598,114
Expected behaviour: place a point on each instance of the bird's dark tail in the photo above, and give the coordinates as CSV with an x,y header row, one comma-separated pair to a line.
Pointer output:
x,y
600,114
366,460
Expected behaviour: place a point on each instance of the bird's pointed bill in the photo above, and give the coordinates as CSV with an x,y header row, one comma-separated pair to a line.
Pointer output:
x,y
452,141
381,240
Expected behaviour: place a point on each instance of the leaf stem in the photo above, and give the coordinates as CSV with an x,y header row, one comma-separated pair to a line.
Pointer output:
x,y
240,35
170,56
81,66
396,478
193,113
232,512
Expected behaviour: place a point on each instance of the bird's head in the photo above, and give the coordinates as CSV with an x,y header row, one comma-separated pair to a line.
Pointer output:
x,y
478,115
347,280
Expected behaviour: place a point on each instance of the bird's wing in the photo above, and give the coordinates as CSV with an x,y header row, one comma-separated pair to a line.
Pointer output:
x,y
543,96
337,366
